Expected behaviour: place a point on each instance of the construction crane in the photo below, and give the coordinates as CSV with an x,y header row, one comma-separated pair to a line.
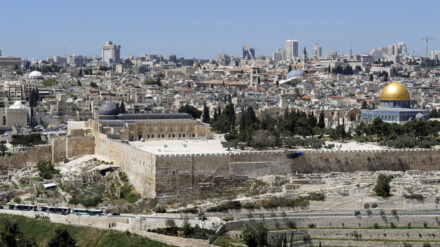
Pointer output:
x,y
427,39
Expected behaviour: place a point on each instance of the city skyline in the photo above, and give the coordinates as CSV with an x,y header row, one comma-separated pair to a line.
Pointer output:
x,y
48,28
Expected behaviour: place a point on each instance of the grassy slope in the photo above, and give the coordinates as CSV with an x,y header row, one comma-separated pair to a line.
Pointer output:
x,y
43,230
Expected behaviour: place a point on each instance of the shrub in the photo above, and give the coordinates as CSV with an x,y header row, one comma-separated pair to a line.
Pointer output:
x,y
27,140
225,206
170,223
394,212
17,199
382,187
376,226
46,169
291,224
374,205
392,225
357,213
426,245
409,226
92,201
382,213
311,225
425,225
369,212
255,235
417,197
66,160
160,210
366,205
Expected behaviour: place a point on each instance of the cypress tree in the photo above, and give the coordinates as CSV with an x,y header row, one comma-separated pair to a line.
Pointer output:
x,y
206,117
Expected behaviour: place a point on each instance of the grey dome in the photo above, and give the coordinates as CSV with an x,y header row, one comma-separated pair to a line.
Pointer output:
x,y
419,116
108,109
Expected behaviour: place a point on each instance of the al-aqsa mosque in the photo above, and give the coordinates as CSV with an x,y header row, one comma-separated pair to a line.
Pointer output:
x,y
395,106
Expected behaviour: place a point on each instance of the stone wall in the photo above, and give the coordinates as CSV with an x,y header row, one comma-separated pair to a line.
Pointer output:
x,y
29,155
349,161
58,149
77,146
140,166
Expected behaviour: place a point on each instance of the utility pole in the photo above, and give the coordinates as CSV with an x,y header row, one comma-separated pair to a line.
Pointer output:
x,y
427,39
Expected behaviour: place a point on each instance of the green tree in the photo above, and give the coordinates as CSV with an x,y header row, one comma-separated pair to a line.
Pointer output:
x,y
121,108
206,117
383,187
46,169
191,110
61,238
255,235
321,121
3,149
11,236
364,105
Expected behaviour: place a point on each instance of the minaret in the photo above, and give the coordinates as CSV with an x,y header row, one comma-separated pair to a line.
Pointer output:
x,y
304,58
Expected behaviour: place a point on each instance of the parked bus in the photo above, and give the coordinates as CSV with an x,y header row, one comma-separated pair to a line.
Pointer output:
x,y
56,210
23,207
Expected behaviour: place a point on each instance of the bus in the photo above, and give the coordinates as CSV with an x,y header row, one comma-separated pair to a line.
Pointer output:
x,y
56,210
80,211
23,207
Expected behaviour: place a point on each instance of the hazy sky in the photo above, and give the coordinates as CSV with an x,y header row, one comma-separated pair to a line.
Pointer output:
x,y
206,28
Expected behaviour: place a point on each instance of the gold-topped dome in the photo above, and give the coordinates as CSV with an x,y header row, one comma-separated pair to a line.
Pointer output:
x,y
395,91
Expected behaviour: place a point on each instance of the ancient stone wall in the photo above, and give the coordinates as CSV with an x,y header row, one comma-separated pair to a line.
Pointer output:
x,y
19,160
77,146
58,149
348,161
182,176
137,164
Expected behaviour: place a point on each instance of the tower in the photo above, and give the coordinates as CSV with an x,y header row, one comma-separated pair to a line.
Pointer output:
x,y
255,75
317,51
111,53
248,52
291,49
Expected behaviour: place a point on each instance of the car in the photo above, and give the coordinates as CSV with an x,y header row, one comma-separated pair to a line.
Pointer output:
x,y
116,214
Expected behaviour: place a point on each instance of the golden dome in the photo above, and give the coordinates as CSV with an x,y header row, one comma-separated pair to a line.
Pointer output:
x,y
395,91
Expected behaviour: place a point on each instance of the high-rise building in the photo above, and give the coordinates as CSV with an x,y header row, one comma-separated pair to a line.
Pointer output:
x,y
172,58
111,53
248,52
279,55
291,49
317,51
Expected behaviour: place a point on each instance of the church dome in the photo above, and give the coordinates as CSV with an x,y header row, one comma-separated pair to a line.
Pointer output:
x,y
108,109
35,75
395,91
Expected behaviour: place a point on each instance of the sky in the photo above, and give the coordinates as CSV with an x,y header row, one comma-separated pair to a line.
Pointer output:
x,y
206,28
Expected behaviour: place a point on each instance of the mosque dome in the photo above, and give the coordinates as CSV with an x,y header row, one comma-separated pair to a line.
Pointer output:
x,y
108,109
395,91
294,74
36,74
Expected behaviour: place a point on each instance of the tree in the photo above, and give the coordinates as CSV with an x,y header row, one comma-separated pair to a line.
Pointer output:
x,y
364,105
3,148
46,169
191,110
11,236
206,117
321,121
61,238
121,108
383,187
371,77
255,235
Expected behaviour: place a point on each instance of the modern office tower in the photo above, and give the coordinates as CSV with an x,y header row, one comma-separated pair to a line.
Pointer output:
x,y
111,53
291,49
248,52
172,58
279,55
317,51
